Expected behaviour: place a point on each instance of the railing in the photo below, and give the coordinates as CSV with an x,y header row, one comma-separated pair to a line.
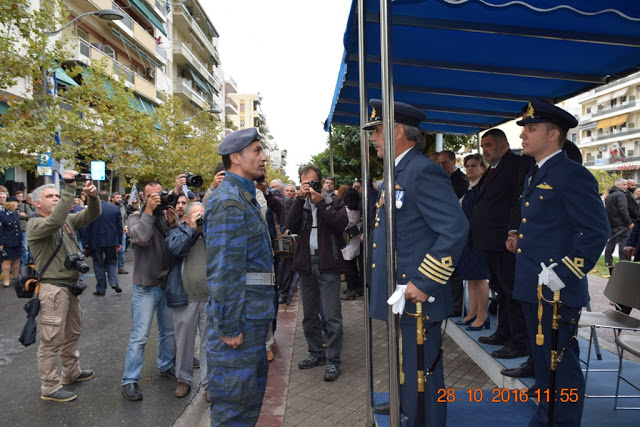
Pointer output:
x,y
184,85
140,34
608,161
614,134
184,48
163,6
194,24
607,110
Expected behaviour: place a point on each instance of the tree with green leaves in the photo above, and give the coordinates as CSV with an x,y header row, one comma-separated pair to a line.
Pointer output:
x,y
28,55
605,179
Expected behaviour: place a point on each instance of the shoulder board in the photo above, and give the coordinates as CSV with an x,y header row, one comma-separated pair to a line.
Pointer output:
x,y
228,203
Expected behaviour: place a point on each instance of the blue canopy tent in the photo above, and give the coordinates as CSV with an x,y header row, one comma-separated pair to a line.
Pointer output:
x,y
471,65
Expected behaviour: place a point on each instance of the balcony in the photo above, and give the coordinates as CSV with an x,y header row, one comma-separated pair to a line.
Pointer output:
x,y
182,18
230,106
184,89
608,110
625,133
183,55
90,55
141,36
607,161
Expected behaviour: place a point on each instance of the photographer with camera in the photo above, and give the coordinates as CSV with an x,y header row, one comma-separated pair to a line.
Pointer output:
x,y
147,230
54,246
319,218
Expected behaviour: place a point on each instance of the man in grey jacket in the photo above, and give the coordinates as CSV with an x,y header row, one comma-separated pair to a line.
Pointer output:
x,y
189,273
147,230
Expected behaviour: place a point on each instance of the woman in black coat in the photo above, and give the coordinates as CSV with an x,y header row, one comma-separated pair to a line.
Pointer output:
x,y
10,240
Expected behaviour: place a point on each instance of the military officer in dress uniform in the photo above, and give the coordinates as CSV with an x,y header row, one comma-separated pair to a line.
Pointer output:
x,y
240,281
431,230
563,226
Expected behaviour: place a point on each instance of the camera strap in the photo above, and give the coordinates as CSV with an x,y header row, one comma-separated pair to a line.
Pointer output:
x,y
39,275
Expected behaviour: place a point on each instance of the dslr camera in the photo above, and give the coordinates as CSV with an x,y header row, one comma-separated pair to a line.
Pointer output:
x,y
317,187
76,261
193,180
80,178
166,200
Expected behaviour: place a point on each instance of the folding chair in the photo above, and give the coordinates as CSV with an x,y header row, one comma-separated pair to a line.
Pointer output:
x,y
621,288
631,343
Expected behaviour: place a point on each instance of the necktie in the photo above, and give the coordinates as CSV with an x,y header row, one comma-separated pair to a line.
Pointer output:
x,y
533,174
486,177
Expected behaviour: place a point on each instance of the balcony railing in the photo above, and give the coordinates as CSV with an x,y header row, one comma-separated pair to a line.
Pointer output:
x,y
605,136
179,7
187,52
185,86
608,110
608,161
140,34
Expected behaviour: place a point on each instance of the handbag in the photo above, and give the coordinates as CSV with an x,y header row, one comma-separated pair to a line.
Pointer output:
x,y
284,245
28,280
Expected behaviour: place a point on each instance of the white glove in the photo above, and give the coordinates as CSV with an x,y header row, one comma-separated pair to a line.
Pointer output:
x,y
396,300
549,277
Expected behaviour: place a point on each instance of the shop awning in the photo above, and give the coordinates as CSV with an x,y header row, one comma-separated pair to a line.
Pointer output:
x,y
63,77
147,13
199,81
473,64
612,121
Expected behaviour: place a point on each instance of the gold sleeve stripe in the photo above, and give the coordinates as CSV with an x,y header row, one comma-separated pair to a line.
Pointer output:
x,y
576,265
573,269
445,263
435,279
444,276
436,268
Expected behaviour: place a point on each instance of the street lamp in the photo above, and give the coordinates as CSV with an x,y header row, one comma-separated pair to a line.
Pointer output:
x,y
107,14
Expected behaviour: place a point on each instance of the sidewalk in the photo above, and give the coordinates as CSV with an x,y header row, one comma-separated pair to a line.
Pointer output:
x,y
301,397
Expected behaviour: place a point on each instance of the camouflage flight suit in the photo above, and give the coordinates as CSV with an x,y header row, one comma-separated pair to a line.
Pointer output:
x,y
238,246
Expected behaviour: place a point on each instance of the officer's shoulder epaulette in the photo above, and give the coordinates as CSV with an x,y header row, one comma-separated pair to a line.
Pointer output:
x,y
229,203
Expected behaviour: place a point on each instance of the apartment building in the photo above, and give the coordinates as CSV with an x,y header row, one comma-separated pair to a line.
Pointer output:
x,y
160,47
250,114
609,127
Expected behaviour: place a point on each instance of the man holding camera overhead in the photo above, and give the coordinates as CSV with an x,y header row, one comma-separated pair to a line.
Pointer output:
x,y
147,229
57,257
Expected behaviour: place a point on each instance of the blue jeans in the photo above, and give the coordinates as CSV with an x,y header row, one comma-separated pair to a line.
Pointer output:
x,y
105,264
121,252
25,253
146,300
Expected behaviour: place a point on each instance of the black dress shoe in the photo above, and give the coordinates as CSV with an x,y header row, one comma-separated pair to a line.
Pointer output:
x,y
523,371
509,352
493,340
131,391
118,289
381,408
98,294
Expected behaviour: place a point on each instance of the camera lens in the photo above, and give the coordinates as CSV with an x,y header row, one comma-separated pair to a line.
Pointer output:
x,y
194,180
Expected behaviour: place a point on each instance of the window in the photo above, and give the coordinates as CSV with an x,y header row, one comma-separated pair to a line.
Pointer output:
x,y
574,137
589,157
630,153
614,102
588,134
589,110
623,99
241,123
242,105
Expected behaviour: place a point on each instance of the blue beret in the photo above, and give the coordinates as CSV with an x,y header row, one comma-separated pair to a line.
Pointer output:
x,y
543,112
404,113
12,199
238,141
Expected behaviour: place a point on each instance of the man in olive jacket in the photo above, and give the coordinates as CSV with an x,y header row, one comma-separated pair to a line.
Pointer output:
x,y
60,318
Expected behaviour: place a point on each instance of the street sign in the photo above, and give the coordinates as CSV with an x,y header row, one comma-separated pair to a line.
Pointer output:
x,y
98,171
45,165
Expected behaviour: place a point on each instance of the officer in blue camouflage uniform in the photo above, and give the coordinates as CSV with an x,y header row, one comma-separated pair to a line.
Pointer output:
x,y
431,230
563,224
240,282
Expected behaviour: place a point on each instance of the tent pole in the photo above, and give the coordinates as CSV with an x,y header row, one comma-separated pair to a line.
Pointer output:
x,y
366,194
331,174
389,207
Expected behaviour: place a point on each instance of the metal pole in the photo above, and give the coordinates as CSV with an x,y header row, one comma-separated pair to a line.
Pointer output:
x,y
366,194
331,154
439,142
389,206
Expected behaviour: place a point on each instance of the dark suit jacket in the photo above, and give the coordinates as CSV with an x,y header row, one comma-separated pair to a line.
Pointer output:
x,y
460,183
106,230
497,210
